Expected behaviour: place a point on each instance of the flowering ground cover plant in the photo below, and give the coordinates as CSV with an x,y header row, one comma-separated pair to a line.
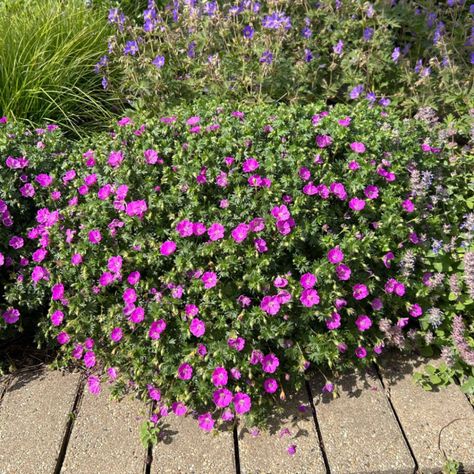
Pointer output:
x,y
411,53
208,258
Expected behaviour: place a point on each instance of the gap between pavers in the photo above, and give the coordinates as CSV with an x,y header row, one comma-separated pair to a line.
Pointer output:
x,y
184,448
267,453
359,430
436,423
34,415
105,436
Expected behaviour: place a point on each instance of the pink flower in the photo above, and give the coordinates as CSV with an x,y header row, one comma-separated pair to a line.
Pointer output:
x,y
106,279
199,228
408,206
185,372
386,259
334,321
309,297
57,291
335,255
95,236
308,280
270,304
93,383
363,322
206,422
227,415
270,363
219,377
114,264
399,289
360,352
129,296
191,310
239,234
184,228
151,156
222,397
260,245
257,224
360,291
116,334
44,180
215,231
168,247
209,279
343,272
193,120
292,449
135,208
156,328
11,316
236,343
57,318
345,122
356,204
338,190
358,147
281,213
280,282
270,385
197,327
137,315
242,403
133,278
415,310
377,304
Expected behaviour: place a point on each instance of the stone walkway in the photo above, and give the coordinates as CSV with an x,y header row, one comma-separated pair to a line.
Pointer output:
x,y
381,423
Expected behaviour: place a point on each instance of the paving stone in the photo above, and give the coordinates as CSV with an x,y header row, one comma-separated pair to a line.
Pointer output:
x,y
268,452
184,448
34,414
434,422
359,431
105,436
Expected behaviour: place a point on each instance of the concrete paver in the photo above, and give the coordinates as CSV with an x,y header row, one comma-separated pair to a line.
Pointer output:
x,y
34,414
184,448
437,423
359,431
105,437
268,452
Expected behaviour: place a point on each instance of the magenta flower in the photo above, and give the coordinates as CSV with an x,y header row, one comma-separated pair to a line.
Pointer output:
x,y
222,397
154,393
227,415
250,165
335,255
134,208
116,334
356,204
236,343
292,449
338,190
270,304
343,272
44,180
168,247
209,279
363,322
260,245
308,280
334,321
129,296
371,192
199,228
12,315
206,422
63,338
115,159
270,385
95,236
219,377
151,156
114,264
415,310
134,278
106,279
216,231
89,359
281,213
270,363
408,206
309,297
57,291
179,408
386,259
360,352
93,383
185,372
137,315
57,318
184,228
323,141
156,328
242,403
358,147
197,327
239,234
360,291
377,304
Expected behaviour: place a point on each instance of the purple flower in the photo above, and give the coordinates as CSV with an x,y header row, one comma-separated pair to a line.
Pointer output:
x,y
270,385
219,377
338,47
63,338
89,359
270,304
185,372
343,272
209,279
156,328
168,247
57,318
360,291
248,32
95,236
206,422
131,48
309,297
116,334
308,280
363,322
11,316
93,383
368,33
356,91
57,291
266,57
335,255
356,204
270,363
222,397
360,352
159,61
215,231
239,234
